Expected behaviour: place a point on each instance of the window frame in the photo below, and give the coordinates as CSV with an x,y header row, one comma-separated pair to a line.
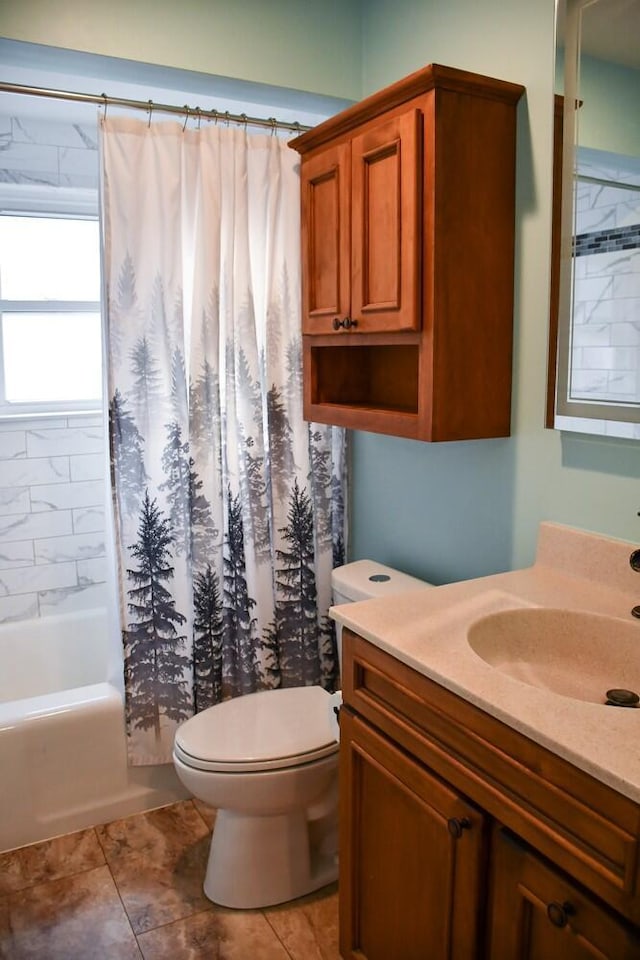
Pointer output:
x,y
58,203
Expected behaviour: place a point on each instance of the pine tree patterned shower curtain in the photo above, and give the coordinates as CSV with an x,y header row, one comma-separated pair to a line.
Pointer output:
x,y
229,509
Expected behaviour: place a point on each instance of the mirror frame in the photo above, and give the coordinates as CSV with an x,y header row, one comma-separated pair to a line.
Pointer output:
x,y
566,116
556,226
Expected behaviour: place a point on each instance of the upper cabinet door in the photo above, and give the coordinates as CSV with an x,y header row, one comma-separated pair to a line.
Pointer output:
x,y
325,185
386,178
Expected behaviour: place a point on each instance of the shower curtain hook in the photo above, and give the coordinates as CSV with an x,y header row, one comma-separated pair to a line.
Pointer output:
x,y
106,103
226,116
216,116
150,112
198,116
244,119
186,119
273,122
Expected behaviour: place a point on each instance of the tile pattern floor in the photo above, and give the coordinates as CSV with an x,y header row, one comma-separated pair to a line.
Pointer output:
x,y
132,890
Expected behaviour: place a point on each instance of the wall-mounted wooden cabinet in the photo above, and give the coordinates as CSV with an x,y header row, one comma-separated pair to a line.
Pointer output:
x,y
408,203
461,839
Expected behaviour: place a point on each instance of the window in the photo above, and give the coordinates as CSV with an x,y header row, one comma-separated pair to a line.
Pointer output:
x,y
50,325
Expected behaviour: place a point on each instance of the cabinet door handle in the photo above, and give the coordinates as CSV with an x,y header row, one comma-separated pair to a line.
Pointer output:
x,y
346,324
559,913
456,826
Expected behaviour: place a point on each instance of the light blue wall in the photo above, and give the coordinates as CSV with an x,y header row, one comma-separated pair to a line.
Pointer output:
x,y
610,95
313,45
447,511
469,509
609,118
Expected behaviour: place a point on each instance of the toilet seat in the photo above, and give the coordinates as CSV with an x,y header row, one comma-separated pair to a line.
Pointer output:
x,y
269,730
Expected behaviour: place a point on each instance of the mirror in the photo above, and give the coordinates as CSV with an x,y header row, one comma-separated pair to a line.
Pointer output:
x,y
597,215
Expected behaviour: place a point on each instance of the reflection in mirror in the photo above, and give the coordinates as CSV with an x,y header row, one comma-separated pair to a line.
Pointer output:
x,y
598,371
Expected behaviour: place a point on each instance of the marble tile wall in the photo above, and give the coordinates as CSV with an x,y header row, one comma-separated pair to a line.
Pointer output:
x,y
40,152
52,470
52,516
606,308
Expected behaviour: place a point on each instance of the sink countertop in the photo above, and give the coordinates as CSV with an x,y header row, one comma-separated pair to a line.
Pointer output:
x,y
427,630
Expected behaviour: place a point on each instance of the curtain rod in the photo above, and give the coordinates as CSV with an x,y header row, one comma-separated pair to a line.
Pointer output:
x,y
150,106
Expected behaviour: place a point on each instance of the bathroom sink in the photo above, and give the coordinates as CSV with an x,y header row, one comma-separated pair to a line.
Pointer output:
x,y
575,654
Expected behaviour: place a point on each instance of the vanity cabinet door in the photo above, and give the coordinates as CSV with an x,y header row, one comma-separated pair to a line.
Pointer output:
x,y
539,914
411,856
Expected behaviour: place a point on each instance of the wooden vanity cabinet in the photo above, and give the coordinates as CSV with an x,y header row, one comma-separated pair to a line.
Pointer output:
x,y
407,218
538,913
461,838
402,821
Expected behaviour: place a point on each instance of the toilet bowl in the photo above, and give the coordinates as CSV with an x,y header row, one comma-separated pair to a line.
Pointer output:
x,y
268,763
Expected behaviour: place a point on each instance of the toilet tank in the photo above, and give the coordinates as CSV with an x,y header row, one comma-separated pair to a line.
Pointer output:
x,y
365,579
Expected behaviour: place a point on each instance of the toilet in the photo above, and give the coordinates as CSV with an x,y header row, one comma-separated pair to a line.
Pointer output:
x,y
268,763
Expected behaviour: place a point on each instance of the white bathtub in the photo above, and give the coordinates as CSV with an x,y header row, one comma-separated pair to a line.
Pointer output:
x,y
63,763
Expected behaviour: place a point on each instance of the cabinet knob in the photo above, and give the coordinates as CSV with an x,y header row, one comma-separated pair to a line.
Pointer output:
x,y
456,826
347,323
559,913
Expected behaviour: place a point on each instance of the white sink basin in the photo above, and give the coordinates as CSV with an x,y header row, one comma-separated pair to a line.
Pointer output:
x,y
577,655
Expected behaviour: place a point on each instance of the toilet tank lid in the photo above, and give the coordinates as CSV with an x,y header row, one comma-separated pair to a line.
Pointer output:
x,y
365,579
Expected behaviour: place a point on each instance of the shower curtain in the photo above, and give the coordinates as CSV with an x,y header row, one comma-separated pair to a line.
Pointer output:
x,y
229,509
